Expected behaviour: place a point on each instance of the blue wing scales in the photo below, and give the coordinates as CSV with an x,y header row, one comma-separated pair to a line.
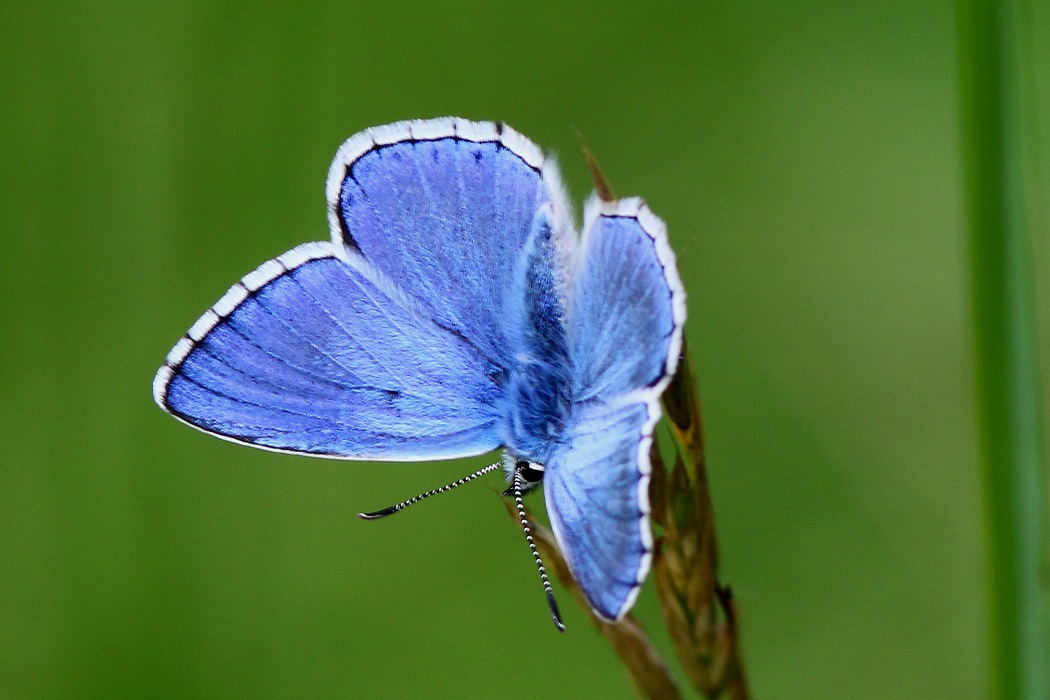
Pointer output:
x,y
627,307
627,295
445,207
598,513
317,353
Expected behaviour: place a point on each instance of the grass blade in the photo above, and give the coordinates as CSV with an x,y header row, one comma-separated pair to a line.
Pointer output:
x,y
993,79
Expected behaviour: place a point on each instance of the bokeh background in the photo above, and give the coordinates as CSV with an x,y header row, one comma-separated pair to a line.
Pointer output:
x,y
805,157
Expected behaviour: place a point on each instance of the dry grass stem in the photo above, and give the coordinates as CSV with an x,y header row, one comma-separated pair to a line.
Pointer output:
x,y
700,613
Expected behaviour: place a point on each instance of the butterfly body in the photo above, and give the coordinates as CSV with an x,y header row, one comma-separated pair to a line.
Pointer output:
x,y
456,311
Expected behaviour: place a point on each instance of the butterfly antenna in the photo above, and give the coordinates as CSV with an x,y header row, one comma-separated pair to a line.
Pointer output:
x,y
416,499
551,603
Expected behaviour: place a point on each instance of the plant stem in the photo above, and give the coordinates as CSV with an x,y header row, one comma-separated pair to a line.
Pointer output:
x,y
700,613
992,83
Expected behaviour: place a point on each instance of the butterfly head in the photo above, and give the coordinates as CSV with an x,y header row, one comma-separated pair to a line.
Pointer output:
x,y
530,473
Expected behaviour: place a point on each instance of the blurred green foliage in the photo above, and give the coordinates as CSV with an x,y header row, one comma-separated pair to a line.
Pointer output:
x,y
805,158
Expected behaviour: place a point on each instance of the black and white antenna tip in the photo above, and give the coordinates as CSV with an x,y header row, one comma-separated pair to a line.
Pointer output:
x,y
376,515
553,605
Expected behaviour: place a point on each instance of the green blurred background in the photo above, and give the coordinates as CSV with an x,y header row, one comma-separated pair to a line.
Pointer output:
x,y
806,161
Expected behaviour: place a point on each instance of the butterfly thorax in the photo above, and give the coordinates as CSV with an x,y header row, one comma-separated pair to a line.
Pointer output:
x,y
538,389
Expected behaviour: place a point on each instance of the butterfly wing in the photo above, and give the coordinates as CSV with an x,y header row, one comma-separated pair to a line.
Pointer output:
x,y
594,487
444,207
389,342
317,352
627,309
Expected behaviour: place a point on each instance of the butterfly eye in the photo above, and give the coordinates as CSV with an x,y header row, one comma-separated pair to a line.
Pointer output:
x,y
531,472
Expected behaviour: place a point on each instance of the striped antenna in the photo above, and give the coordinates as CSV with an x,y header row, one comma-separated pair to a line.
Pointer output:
x,y
551,603
416,499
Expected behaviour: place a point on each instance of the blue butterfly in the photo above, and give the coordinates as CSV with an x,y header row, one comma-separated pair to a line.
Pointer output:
x,y
456,311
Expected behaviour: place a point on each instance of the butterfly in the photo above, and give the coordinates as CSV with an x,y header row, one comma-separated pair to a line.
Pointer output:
x,y
456,311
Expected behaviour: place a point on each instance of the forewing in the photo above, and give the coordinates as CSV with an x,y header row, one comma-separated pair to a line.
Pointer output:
x,y
627,309
316,352
628,305
445,206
